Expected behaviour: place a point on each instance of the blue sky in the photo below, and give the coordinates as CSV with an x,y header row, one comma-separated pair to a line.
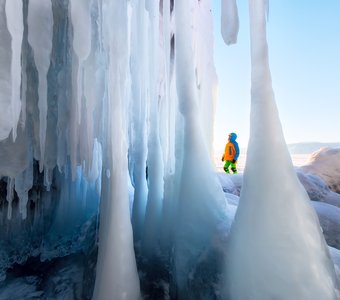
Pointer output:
x,y
304,55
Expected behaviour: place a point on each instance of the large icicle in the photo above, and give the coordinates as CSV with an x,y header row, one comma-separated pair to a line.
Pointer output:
x,y
276,247
5,75
117,276
205,73
229,21
16,28
40,32
81,22
155,166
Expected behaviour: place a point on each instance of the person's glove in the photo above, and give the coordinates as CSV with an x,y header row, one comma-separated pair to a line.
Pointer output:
x,y
234,161
222,158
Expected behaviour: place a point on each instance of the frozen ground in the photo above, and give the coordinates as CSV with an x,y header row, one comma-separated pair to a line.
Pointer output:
x,y
298,160
321,188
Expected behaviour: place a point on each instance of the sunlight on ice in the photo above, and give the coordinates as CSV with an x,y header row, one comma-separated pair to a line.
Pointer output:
x,y
289,258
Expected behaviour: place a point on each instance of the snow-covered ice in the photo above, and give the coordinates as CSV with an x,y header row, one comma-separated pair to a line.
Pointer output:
x,y
326,164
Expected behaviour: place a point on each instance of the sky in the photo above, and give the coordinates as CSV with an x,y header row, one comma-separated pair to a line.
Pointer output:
x,y
304,57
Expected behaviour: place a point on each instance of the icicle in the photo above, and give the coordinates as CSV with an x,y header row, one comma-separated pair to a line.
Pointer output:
x,y
15,26
10,196
155,165
5,75
138,110
90,98
23,183
229,21
40,33
276,249
81,23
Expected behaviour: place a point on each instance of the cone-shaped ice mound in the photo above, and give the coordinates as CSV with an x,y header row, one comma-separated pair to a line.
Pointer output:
x,y
276,247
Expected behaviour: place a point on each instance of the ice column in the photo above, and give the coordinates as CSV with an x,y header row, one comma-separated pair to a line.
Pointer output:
x,y
117,276
138,111
155,166
205,74
5,75
200,196
276,248
40,33
16,28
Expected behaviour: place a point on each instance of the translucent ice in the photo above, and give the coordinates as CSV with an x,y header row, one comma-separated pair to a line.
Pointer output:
x,y
14,13
229,21
276,248
40,32
5,75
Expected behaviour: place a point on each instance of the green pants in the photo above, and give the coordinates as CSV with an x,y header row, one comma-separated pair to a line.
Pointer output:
x,y
229,163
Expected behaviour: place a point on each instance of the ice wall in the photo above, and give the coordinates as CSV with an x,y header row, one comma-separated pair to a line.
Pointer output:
x,y
115,91
276,248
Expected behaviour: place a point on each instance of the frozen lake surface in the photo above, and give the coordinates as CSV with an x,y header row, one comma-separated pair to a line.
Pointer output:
x,y
298,160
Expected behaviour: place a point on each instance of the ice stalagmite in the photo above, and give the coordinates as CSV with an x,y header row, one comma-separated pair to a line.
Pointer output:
x,y
5,75
40,32
276,247
15,25
116,276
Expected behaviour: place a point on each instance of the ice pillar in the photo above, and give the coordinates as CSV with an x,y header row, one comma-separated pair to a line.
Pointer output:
x,y
276,247
117,276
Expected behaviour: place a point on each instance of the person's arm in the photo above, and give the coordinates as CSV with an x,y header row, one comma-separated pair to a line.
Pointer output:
x,y
237,149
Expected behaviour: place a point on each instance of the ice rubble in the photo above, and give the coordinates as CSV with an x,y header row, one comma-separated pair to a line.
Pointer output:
x,y
326,164
117,89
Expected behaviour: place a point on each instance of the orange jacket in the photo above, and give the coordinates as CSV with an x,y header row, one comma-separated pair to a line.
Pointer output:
x,y
229,152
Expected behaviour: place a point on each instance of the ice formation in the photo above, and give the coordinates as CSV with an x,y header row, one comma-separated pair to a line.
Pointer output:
x,y
326,164
108,90
229,21
276,247
102,95
5,75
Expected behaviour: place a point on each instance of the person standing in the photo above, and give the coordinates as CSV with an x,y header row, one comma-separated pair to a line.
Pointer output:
x,y
231,154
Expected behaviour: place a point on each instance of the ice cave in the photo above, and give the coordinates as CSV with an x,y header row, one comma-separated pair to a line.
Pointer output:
x,y
107,186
